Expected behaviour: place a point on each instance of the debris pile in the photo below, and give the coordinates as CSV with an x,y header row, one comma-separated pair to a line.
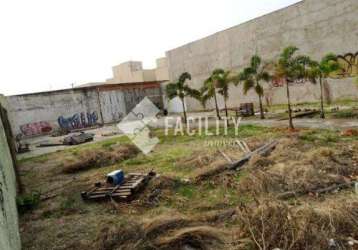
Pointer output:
x,y
118,187
78,138
159,189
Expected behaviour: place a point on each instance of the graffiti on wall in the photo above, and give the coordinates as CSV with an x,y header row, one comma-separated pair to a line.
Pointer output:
x,y
36,128
78,121
349,66
279,82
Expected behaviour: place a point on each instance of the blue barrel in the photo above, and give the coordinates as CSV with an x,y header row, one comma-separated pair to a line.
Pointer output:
x,y
116,177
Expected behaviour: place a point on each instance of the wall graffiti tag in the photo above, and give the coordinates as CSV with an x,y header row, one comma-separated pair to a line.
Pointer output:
x,y
36,128
79,120
279,82
349,66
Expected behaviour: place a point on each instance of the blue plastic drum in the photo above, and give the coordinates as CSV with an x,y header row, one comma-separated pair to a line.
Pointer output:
x,y
115,178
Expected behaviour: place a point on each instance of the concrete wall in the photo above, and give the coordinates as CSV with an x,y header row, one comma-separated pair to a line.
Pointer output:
x,y
161,72
113,105
132,71
35,114
316,27
41,113
9,229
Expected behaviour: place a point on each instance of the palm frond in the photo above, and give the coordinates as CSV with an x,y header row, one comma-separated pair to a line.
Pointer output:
x,y
288,52
185,76
248,84
192,92
255,62
329,57
248,72
329,64
204,99
265,76
218,71
312,74
172,90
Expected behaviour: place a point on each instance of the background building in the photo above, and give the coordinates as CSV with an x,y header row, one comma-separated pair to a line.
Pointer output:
x,y
316,27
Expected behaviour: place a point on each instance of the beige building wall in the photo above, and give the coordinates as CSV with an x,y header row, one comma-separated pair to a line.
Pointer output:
x,y
132,71
162,72
315,26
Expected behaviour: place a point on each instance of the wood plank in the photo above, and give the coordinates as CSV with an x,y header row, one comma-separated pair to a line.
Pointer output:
x,y
94,197
108,193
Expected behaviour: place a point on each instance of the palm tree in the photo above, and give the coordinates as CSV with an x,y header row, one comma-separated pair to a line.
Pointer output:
x,y
252,77
291,68
223,80
209,89
181,90
322,70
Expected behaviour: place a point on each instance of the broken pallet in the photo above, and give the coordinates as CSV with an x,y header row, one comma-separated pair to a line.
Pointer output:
x,y
124,192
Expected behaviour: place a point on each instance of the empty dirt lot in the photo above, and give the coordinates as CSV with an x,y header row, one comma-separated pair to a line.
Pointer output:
x,y
300,196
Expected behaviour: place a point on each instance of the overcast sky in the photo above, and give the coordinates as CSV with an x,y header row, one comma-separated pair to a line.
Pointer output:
x,y
49,44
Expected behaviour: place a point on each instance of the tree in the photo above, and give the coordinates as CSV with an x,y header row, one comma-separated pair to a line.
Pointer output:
x,y
321,71
223,80
252,77
181,90
291,68
209,89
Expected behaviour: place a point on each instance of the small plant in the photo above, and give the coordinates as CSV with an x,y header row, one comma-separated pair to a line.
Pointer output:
x,y
27,202
67,204
187,191
109,144
346,114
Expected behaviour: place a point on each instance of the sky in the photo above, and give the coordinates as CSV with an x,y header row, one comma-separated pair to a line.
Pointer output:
x,y
52,44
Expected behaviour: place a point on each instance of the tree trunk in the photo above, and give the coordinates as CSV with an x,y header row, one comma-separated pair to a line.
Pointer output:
x,y
226,113
261,108
289,106
184,111
216,106
322,108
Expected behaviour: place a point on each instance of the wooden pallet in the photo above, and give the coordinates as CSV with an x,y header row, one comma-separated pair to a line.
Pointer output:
x,y
132,183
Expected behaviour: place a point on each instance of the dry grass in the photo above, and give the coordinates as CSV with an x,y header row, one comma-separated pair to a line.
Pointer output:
x,y
217,210
274,224
162,232
101,157
203,237
300,170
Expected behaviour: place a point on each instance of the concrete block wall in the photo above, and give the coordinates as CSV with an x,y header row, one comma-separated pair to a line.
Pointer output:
x,y
113,105
316,27
41,113
9,228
